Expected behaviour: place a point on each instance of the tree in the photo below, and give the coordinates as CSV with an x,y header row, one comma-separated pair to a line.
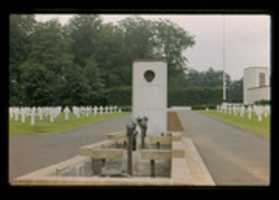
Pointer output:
x,y
111,57
49,57
84,31
35,79
155,39
76,88
171,40
138,34
21,29
197,88
235,91
88,61
94,80
209,78
135,33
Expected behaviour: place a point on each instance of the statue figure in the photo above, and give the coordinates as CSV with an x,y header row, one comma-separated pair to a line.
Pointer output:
x,y
142,122
131,134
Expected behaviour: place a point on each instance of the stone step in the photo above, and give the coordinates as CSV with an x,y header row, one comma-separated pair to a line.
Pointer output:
x,y
150,154
112,154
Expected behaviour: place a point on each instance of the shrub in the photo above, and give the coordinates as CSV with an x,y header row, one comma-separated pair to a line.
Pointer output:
x,y
199,107
210,96
119,96
213,107
263,102
126,108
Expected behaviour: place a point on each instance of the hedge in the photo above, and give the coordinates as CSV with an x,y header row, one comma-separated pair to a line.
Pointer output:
x,y
263,102
195,96
120,96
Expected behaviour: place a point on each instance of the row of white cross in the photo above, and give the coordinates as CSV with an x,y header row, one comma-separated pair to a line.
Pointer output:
x,y
239,109
21,113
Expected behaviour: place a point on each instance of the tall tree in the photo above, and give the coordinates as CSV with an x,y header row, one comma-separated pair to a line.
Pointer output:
x,y
93,76
86,60
235,91
21,29
138,34
76,88
171,41
111,56
49,56
84,31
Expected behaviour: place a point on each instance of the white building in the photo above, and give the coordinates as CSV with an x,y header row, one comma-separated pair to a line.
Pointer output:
x,y
256,84
150,93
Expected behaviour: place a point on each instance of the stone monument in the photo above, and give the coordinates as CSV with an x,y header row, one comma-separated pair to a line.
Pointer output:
x,y
150,93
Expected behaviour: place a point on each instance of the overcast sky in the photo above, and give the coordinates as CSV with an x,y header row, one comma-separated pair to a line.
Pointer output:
x,y
247,39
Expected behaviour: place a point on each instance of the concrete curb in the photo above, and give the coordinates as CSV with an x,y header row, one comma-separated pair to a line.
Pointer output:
x,y
198,170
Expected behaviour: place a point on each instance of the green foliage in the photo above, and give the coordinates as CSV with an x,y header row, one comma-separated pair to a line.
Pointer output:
x,y
235,91
92,74
199,107
137,36
42,73
263,102
126,108
209,78
84,31
21,29
212,107
203,107
119,96
195,96
171,40
35,79
202,88
87,61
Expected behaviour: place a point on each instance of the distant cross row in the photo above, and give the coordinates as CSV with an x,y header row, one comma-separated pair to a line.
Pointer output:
x,y
240,110
51,113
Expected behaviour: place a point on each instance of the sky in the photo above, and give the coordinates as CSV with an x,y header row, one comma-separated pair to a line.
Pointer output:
x,y
230,42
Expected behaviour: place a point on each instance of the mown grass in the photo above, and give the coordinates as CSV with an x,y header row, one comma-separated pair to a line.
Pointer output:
x,y
59,125
251,125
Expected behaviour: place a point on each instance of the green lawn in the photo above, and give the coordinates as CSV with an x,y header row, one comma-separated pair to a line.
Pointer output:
x,y
254,126
59,125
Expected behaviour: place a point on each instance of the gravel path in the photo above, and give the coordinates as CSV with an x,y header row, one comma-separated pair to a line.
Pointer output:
x,y
31,152
232,156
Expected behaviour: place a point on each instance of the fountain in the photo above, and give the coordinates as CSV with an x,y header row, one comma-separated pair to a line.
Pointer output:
x,y
161,158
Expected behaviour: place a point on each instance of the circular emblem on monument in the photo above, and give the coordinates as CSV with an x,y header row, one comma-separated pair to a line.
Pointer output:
x,y
149,75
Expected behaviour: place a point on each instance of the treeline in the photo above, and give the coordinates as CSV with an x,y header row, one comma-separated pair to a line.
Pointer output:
x,y
204,89
89,62
86,61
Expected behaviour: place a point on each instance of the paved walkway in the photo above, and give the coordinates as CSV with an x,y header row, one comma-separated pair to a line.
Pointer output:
x,y
232,156
28,153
